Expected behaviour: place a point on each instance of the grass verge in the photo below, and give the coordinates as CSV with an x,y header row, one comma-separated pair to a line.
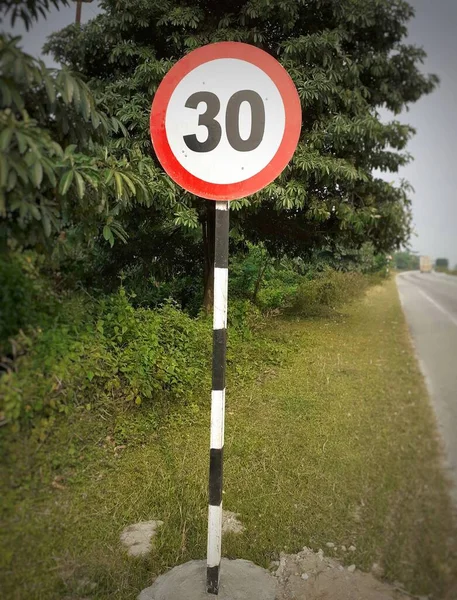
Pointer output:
x,y
336,444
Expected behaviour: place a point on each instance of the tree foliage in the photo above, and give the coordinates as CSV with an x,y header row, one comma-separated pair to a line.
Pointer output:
x,y
27,11
65,168
76,157
442,263
348,60
406,261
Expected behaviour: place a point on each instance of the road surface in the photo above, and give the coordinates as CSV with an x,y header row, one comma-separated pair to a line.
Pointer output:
x,y
430,305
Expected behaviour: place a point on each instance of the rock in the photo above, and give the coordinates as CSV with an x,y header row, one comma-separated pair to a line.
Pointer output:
x,y
85,585
343,548
351,569
137,538
282,565
274,563
230,522
352,548
330,545
305,576
377,570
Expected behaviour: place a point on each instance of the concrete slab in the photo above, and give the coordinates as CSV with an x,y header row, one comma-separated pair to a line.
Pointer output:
x,y
240,580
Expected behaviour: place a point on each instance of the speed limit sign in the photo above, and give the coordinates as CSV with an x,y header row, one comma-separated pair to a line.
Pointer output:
x,y
225,121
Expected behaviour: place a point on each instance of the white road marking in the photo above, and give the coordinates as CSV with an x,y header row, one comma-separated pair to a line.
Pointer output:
x,y
439,307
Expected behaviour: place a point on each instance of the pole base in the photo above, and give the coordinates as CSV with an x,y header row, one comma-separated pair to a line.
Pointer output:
x,y
240,580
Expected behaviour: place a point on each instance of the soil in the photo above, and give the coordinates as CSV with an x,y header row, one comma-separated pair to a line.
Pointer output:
x,y
310,575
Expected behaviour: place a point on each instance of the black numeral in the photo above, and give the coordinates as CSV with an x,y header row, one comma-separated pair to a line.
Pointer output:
x,y
232,121
213,106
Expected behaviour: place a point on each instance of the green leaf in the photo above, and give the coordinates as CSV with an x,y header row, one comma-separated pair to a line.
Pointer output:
x,y
95,119
33,208
5,93
65,182
69,150
5,138
46,222
4,170
129,183
36,174
67,93
119,184
85,105
20,169
49,170
50,87
12,180
107,232
80,185
22,142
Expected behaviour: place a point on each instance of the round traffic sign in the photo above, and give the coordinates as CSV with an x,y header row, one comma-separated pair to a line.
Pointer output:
x,y
225,120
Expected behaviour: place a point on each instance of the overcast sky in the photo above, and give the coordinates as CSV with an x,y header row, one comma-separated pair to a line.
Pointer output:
x,y
434,169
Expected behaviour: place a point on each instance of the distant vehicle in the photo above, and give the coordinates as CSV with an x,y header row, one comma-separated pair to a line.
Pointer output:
x,y
425,264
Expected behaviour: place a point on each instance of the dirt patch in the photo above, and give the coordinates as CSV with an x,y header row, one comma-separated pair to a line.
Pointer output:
x,y
138,538
310,575
231,523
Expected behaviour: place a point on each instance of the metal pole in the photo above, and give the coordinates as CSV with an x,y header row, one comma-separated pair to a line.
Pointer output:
x,y
218,397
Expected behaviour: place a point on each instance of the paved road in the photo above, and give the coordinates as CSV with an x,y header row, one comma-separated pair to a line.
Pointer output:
x,y
430,304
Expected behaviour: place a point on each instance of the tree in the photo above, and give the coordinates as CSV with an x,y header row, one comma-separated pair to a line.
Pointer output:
x,y
442,263
347,59
65,172
406,261
27,10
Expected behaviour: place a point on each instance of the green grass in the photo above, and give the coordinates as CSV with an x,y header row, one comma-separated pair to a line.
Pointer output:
x,y
445,270
337,443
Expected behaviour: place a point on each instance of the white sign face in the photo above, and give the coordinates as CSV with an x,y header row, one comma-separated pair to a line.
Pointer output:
x,y
225,121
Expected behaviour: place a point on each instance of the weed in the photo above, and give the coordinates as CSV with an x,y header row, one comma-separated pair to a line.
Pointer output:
x,y
329,438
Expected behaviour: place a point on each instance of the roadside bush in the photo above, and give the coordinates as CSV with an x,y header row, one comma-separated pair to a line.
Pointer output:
x,y
25,297
279,286
244,318
446,270
275,295
327,290
112,354
150,292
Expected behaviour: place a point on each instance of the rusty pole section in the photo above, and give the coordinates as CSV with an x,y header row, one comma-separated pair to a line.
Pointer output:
x,y
79,5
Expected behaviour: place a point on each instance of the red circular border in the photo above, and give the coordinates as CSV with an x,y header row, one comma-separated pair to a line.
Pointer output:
x,y
286,87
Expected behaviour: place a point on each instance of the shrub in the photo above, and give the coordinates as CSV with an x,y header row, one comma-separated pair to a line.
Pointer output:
x,y
26,297
328,290
114,355
275,294
244,317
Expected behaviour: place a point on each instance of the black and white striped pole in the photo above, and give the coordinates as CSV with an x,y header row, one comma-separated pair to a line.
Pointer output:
x,y
218,397
225,121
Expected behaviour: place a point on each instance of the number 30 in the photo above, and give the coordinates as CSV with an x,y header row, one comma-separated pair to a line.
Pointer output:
x,y
232,121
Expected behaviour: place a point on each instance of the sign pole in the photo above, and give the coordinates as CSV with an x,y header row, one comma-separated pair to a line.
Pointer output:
x,y
225,122
218,396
